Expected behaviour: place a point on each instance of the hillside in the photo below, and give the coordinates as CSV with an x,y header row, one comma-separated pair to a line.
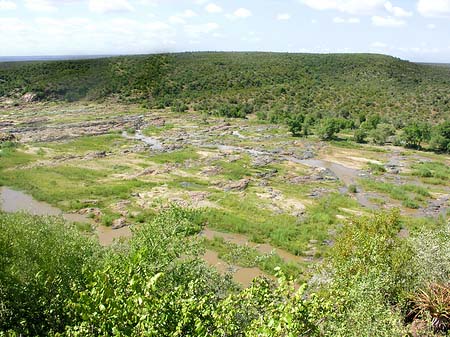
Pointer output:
x,y
271,84
132,205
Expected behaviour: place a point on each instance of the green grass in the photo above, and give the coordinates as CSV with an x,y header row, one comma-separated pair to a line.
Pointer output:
x,y
376,168
11,157
246,215
248,257
67,186
435,173
412,196
235,170
178,157
89,143
157,130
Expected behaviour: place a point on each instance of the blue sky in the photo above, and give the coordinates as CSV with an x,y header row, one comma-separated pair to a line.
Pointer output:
x,y
416,30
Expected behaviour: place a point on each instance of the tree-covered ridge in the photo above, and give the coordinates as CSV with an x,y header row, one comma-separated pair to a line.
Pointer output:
x,y
271,84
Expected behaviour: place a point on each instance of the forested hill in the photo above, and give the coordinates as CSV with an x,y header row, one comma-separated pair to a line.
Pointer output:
x,y
272,84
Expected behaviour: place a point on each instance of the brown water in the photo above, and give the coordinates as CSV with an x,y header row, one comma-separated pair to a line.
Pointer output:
x,y
12,201
242,240
241,275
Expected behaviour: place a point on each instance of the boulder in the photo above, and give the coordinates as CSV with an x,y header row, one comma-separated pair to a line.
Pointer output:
x,y
240,185
119,223
29,97
7,137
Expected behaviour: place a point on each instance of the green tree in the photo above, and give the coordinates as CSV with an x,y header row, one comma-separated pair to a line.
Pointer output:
x,y
440,139
415,133
295,124
381,134
360,136
328,128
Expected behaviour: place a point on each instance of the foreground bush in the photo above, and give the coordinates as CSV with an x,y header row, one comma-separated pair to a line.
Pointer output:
x,y
155,285
40,261
56,282
368,276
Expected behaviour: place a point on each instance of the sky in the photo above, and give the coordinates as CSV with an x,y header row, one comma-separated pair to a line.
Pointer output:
x,y
416,30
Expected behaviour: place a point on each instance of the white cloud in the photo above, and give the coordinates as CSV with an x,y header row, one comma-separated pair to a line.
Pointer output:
x,y
378,45
283,16
51,36
205,28
396,11
148,2
365,7
11,25
213,8
175,20
434,8
251,37
242,13
387,21
349,20
107,6
7,5
180,18
188,13
40,6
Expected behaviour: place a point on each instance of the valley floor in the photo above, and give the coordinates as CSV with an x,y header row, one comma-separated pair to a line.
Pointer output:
x,y
266,198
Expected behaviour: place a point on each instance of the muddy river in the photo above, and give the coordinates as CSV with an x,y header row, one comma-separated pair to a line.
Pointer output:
x,y
12,201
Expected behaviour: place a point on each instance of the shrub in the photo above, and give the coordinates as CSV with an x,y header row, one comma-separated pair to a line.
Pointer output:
x,y
41,259
440,140
367,273
353,188
416,133
360,136
381,134
434,302
327,128
376,168
295,124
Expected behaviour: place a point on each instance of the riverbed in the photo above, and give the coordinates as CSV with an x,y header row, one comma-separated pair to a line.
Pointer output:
x,y
12,201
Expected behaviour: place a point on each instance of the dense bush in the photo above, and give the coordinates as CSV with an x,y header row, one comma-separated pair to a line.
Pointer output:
x,y
54,281
440,139
40,261
328,128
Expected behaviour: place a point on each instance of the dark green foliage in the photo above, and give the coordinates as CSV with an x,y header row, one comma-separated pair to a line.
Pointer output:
x,y
55,282
357,87
328,128
440,139
370,273
295,124
381,133
307,91
41,259
360,136
414,134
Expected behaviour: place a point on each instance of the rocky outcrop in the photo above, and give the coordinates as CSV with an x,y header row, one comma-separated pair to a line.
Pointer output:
x,y
119,223
239,186
29,97
7,137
